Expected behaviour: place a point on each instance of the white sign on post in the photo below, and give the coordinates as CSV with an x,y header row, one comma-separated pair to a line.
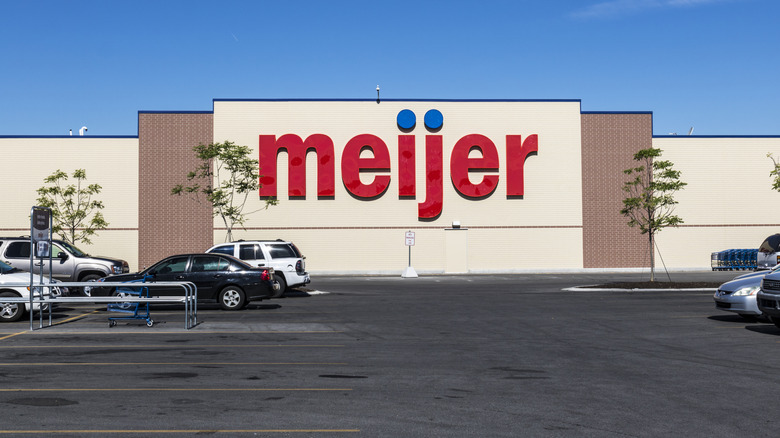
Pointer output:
x,y
409,272
410,238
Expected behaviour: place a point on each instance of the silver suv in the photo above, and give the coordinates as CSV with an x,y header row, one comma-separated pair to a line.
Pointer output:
x,y
68,262
288,262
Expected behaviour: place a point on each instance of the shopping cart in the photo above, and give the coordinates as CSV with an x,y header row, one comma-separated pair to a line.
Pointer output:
x,y
133,310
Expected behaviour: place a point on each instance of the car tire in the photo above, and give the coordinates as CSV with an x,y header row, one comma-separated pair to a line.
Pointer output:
x,y
232,298
10,312
282,286
775,320
83,291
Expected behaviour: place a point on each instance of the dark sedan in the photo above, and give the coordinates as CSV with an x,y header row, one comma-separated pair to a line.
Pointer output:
x,y
219,278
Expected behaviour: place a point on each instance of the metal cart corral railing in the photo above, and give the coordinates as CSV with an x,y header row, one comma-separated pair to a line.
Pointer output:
x,y
189,298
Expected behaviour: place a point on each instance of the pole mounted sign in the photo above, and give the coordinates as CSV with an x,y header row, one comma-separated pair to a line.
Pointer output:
x,y
409,272
40,248
41,231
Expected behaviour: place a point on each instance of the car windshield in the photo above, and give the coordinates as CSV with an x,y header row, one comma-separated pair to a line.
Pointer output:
x,y
770,244
73,250
5,268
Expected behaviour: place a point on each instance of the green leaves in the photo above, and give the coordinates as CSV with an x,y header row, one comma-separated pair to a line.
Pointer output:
x,y
775,173
76,215
650,202
224,178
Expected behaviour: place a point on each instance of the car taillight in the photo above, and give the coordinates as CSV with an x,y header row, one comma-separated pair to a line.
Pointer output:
x,y
299,266
265,276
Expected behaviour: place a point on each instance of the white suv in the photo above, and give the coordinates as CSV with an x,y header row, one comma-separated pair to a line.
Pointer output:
x,y
283,256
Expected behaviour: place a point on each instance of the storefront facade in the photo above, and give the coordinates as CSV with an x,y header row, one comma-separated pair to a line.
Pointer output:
x,y
486,186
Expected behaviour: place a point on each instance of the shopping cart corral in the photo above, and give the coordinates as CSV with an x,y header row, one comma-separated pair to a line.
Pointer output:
x,y
188,298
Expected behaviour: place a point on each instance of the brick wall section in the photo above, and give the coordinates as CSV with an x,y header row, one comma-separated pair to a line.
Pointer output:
x,y
170,224
609,141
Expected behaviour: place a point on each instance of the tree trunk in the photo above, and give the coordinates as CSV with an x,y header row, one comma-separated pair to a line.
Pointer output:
x,y
652,257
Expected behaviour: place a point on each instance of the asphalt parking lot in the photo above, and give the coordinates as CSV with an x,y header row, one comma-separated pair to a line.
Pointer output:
x,y
438,356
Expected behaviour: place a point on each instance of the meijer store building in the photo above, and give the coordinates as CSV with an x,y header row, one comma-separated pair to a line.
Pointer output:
x,y
485,185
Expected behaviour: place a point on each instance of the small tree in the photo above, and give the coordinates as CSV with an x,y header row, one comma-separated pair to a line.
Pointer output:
x,y
76,216
775,173
650,201
225,178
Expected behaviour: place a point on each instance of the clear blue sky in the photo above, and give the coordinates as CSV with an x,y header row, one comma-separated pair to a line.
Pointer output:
x,y
710,64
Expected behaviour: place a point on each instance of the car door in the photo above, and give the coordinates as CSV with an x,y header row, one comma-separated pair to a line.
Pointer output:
x,y
63,263
171,269
209,273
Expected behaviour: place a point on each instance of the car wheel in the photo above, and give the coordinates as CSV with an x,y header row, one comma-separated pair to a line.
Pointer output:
x,y
231,298
10,312
776,321
86,290
121,294
282,286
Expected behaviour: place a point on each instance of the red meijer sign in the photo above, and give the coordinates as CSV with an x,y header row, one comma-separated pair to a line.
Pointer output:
x,y
352,164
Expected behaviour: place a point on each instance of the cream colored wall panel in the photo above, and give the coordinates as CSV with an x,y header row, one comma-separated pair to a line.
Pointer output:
x,y
110,162
456,251
691,248
728,179
552,178
349,234
120,244
524,249
382,251
374,251
728,202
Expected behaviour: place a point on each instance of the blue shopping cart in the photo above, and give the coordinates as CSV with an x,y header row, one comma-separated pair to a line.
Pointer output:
x,y
133,310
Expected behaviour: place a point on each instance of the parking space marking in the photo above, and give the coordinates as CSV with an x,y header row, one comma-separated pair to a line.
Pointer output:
x,y
10,364
173,389
176,431
155,331
12,335
169,346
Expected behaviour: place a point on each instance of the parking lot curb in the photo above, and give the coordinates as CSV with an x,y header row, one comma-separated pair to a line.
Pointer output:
x,y
595,289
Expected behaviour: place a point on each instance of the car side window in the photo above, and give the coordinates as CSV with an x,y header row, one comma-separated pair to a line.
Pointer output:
x,y
209,264
18,250
281,251
224,249
173,266
250,252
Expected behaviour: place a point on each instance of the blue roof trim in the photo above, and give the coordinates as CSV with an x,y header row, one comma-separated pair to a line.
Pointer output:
x,y
395,100
616,112
716,136
175,112
68,136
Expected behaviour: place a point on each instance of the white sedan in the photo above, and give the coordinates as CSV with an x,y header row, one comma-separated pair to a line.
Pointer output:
x,y
10,312
739,294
